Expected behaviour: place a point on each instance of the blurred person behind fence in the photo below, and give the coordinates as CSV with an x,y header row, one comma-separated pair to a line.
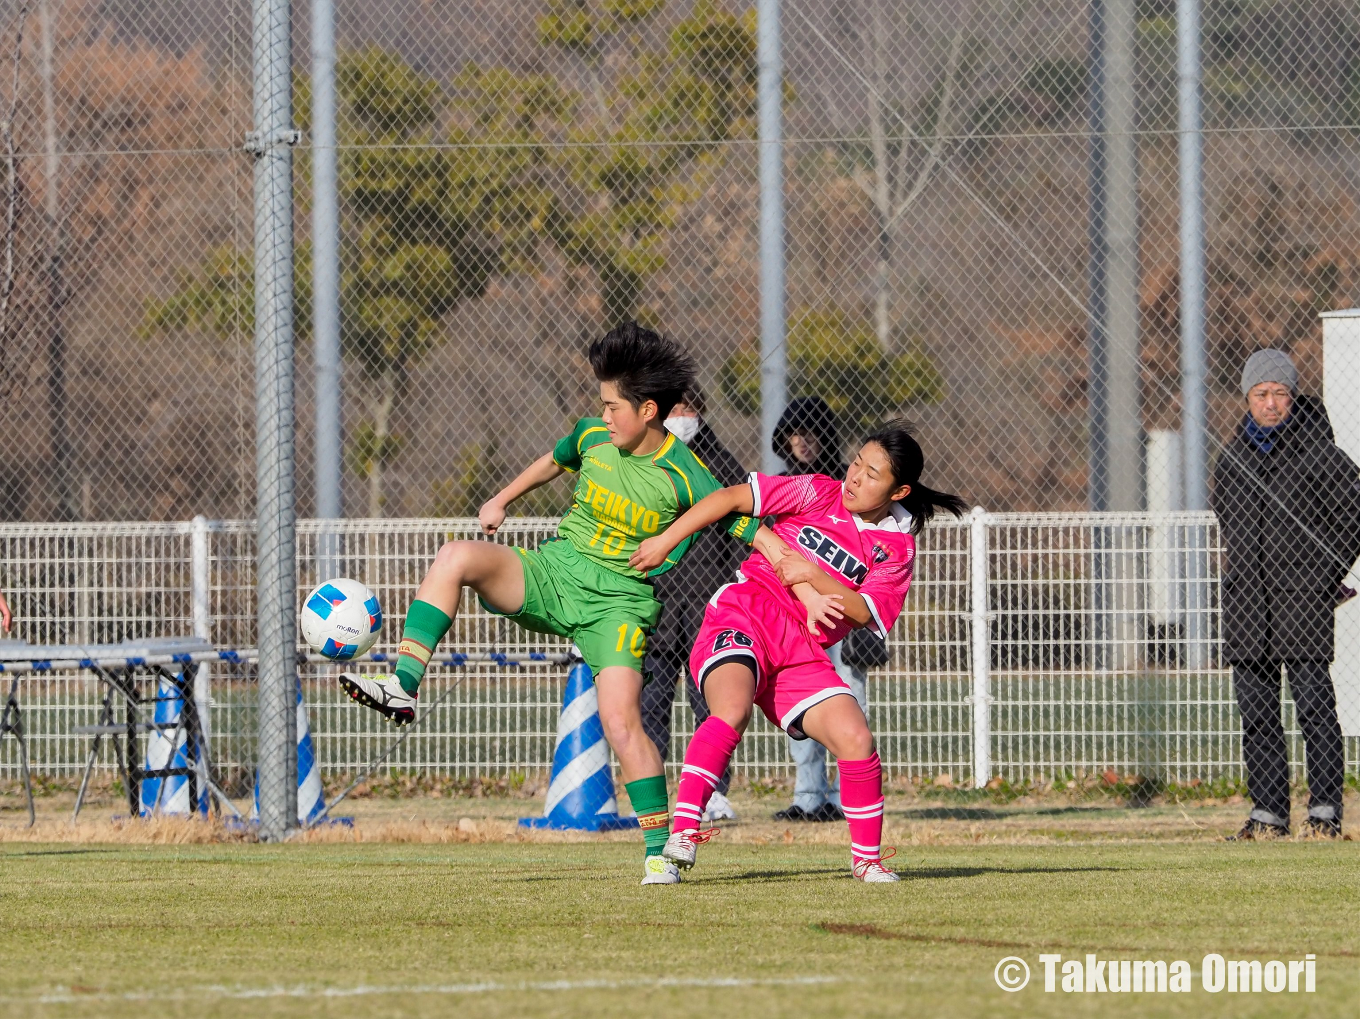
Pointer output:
x,y
807,439
712,561
1288,506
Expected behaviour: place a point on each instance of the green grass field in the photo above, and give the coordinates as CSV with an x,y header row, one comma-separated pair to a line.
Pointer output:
x,y
542,929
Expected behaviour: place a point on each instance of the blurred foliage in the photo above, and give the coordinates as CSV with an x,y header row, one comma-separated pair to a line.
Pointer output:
x,y
477,469
444,187
370,452
654,134
565,177
416,236
1266,63
837,356
218,297
419,217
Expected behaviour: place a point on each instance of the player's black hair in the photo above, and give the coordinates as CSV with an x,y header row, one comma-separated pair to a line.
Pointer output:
x,y
644,365
904,453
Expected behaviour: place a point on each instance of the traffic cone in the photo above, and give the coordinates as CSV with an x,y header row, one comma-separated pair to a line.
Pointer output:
x,y
310,799
581,793
169,795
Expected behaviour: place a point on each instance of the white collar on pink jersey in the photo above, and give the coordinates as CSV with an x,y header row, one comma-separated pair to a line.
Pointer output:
x,y
898,521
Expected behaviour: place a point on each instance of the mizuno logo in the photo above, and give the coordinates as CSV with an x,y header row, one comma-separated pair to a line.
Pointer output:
x,y
839,559
839,520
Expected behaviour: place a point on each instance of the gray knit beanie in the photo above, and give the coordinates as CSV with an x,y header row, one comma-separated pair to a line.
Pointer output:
x,y
1269,366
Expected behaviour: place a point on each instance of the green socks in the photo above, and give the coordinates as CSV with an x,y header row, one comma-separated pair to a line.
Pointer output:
x,y
425,628
650,803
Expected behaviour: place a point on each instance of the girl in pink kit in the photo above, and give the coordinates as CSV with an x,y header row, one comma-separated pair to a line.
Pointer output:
x,y
853,546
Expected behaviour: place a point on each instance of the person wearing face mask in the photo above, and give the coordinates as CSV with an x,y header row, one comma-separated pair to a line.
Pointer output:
x,y
807,439
712,561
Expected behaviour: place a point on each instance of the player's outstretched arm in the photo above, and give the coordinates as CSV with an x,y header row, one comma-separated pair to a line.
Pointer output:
x,y
536,475
709,510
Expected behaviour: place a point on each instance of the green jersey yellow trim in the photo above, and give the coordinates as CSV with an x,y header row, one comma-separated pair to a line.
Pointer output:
x,y
618,502
569,449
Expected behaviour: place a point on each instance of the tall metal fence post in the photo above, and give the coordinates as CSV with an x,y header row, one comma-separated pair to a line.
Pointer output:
x,y
982,681
200,587
326,286
1116,470
1194,411
1098,269
773,353
1194,408
271,143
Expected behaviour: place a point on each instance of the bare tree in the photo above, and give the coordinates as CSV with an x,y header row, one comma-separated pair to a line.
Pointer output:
x,y
904,151
56,292
16,310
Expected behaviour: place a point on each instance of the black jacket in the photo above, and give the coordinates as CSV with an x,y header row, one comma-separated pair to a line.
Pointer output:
x,y
1289,520
714,557
810,415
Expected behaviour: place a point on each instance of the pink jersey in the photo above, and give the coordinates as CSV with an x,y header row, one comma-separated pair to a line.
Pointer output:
x,y
875,560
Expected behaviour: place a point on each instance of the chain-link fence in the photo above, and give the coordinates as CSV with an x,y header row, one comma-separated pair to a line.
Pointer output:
x,y
514,175
1049,232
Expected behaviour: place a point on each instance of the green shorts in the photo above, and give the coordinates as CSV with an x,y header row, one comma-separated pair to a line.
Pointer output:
x,y
608,616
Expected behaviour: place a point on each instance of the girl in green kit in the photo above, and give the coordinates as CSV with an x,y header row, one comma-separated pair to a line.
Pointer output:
x,y
633,479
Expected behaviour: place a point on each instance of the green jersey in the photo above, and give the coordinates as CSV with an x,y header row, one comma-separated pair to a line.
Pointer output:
x,y
622,499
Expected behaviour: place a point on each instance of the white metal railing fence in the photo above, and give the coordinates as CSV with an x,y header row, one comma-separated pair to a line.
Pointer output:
x,y
1032,645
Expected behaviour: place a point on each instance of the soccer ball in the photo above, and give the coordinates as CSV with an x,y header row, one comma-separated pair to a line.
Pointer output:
x,y
341,619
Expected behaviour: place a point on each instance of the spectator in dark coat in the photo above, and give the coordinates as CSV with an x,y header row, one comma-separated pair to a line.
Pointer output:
x,y
807,439
684,592
1288,506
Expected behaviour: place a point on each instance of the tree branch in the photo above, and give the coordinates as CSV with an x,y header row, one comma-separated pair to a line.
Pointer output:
x,y
12,183
942,131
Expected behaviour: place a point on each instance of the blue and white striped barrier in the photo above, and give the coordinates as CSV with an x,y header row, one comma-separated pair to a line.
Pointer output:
x,y
581,791
310,799
169,795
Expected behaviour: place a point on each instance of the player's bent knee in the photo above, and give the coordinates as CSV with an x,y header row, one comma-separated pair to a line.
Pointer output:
x,y
452,558
469,562
853,744
736,718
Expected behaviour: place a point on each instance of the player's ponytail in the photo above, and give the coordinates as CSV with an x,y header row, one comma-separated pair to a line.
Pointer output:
x,y
904,453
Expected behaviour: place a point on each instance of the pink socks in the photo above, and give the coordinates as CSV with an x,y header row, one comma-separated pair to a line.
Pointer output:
x,y
862,802
709,753
706,758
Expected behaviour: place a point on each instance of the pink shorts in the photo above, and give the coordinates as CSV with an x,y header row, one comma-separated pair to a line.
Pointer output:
x,y
743,624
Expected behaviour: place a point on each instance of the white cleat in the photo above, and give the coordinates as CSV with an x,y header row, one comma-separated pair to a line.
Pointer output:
x,y
681,846
657,870
872,872
381,693
719,809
